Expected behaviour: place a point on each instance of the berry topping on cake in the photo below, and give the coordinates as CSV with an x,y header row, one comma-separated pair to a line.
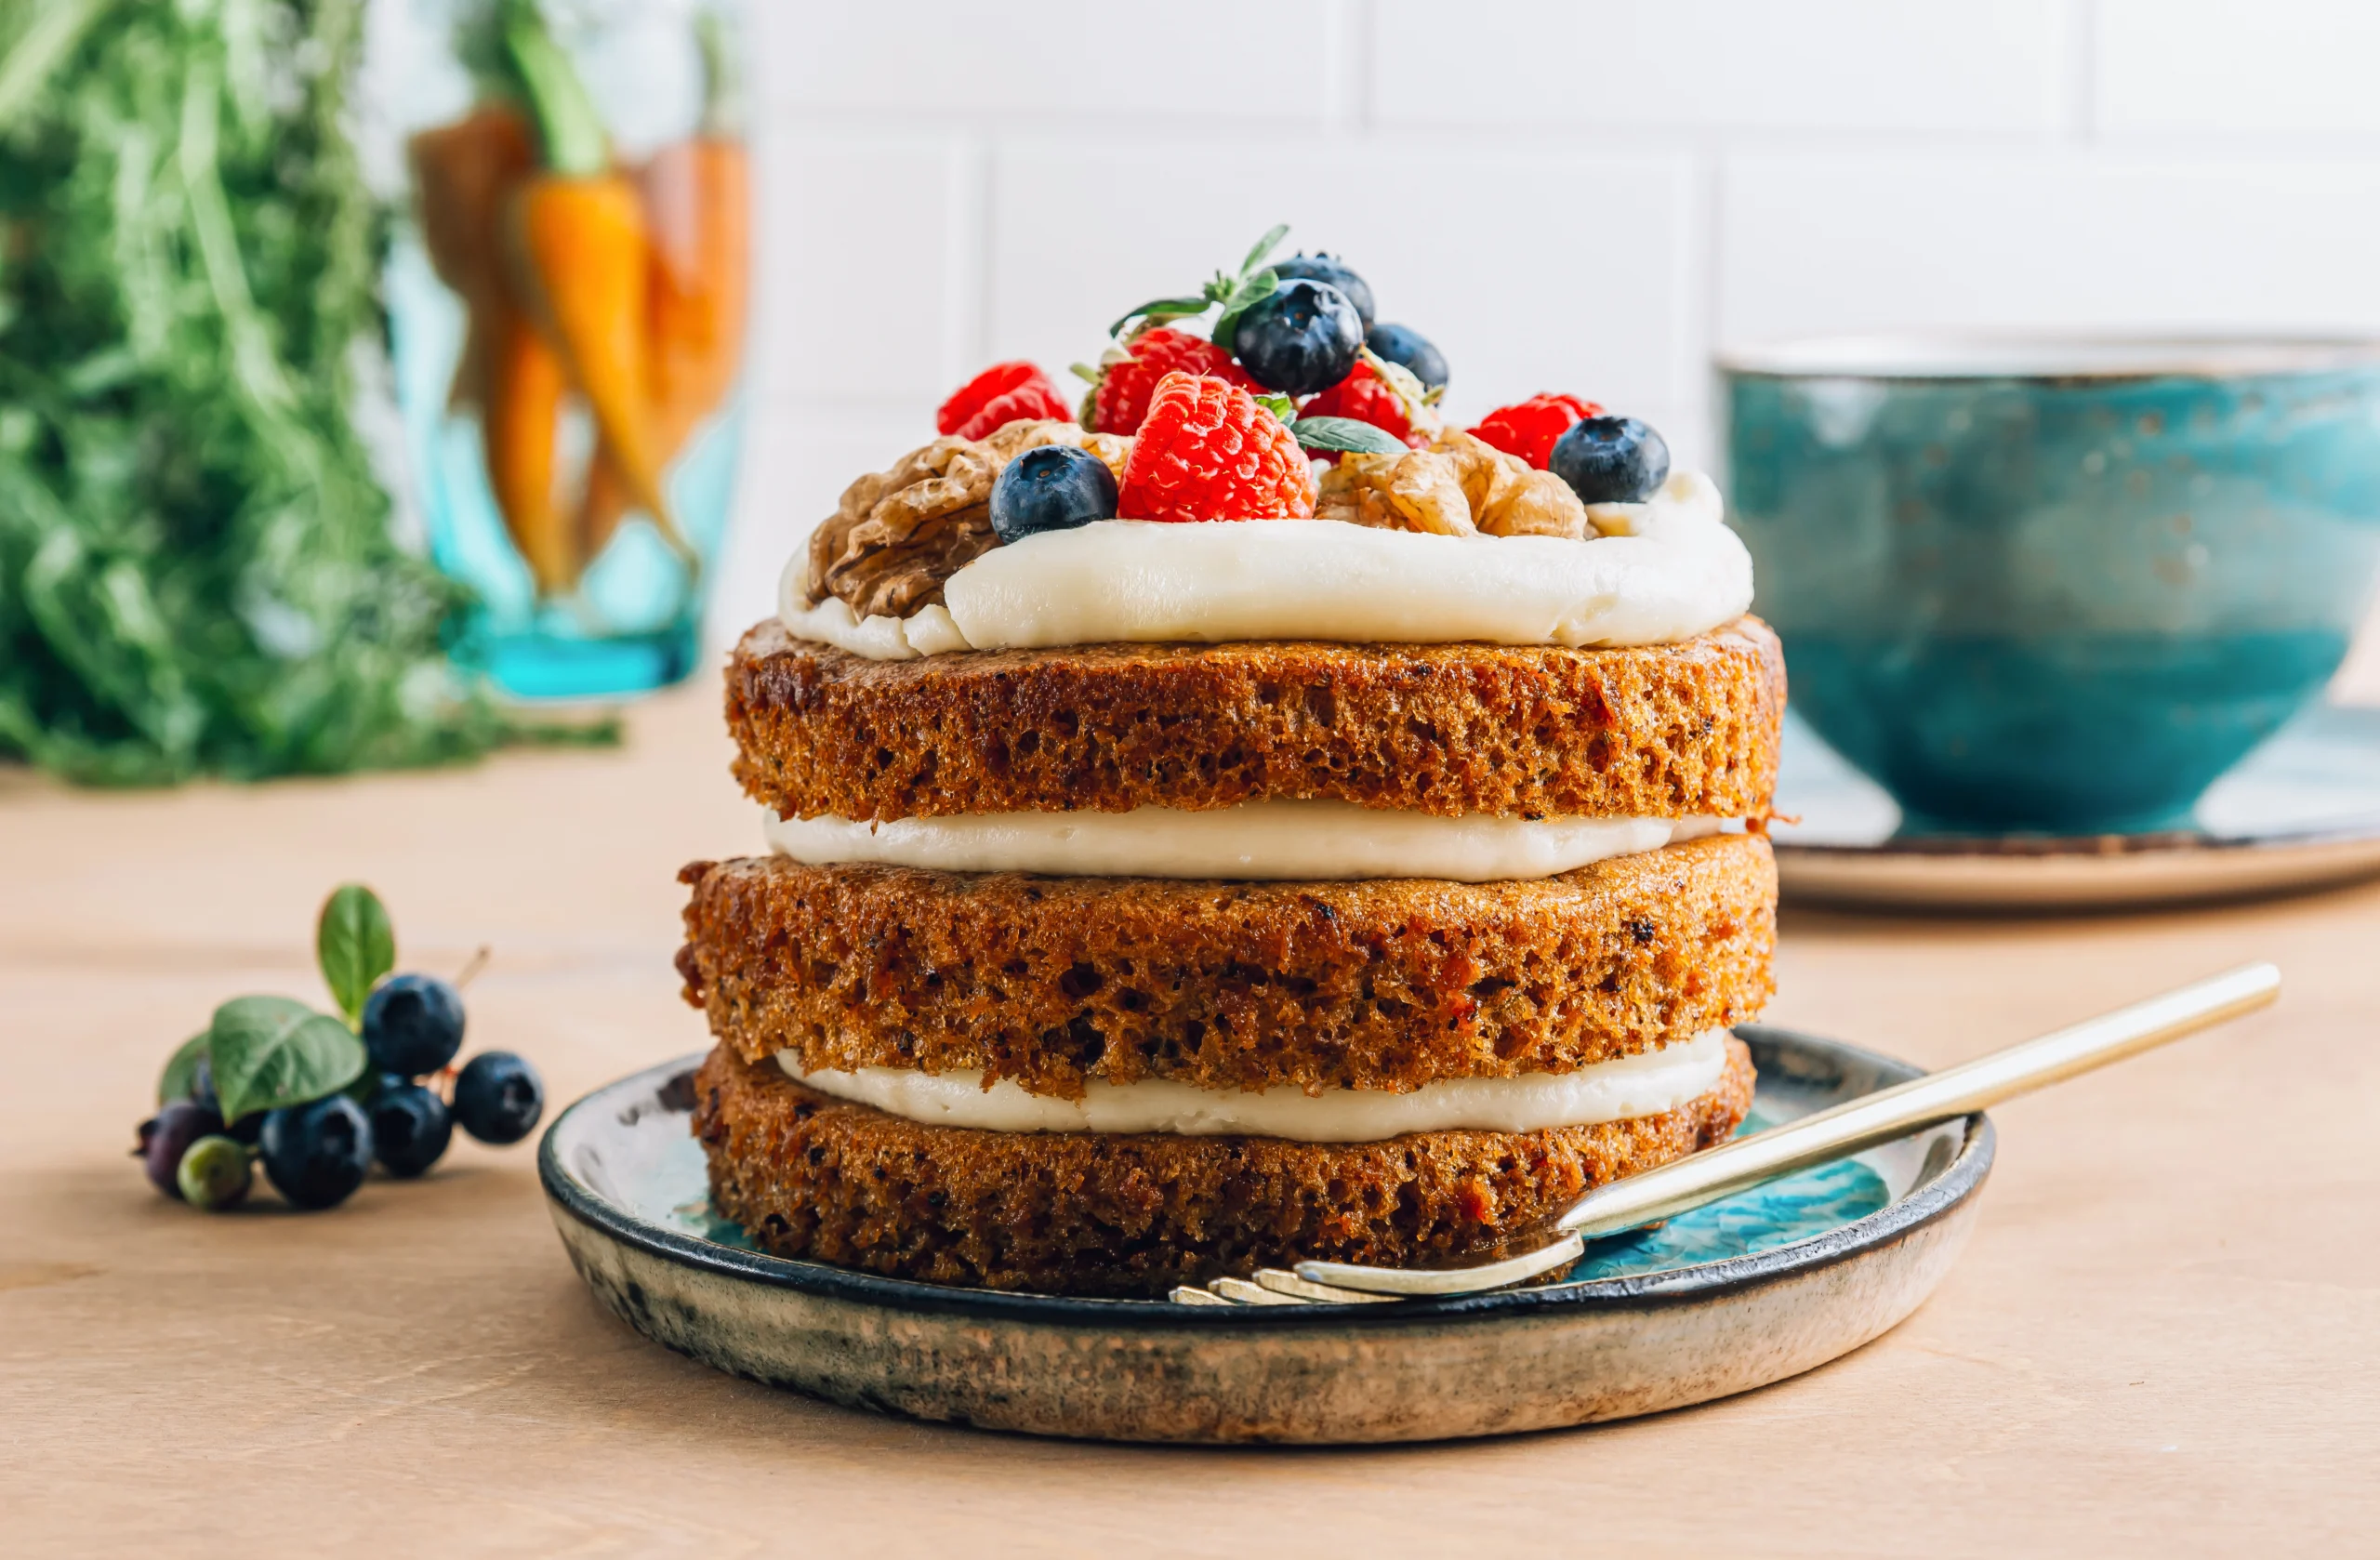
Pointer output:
x,y
1333,272
1121,386
1411,350
1300,337
1528,429
1056,487
1611,460
1366,397
999,395
1208,451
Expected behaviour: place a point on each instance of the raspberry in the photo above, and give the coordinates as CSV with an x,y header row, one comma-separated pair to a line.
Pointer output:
x,y
1121,399
999,395
1366,397
1529,427
1208,451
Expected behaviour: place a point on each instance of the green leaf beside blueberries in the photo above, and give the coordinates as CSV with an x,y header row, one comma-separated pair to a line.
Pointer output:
x,y
269,1051
356,947
180,1077
1347,435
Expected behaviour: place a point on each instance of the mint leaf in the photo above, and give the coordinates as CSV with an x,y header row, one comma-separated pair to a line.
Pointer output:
x,y
356,947
1347,435
267,1052
1248,292
1281,406
1264,247
181,1069
1160,309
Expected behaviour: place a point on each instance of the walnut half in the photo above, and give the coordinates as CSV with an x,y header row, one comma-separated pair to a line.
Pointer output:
x,y
898,536
1459,486
1416,491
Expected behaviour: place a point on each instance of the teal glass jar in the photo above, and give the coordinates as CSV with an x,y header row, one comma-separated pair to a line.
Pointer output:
x,y
2055,586
567,287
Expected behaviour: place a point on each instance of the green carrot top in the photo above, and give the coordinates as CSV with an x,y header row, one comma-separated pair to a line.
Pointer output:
x,y
568,126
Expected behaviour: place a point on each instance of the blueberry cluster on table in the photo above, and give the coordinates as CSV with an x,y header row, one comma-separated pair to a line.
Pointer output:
x,y
318,1099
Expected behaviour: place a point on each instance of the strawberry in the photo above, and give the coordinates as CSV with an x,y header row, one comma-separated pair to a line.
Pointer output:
x,y
1529,428
1366,397
1119,395
1208,451
999,395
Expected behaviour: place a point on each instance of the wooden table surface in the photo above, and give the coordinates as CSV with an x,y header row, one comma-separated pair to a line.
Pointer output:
x,y
2163,1338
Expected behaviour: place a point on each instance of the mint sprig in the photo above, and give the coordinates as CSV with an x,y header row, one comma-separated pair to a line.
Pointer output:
x,y
1233,292
266,1051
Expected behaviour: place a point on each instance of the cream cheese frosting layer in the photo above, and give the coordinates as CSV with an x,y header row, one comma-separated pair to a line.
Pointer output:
x,y
1663,571
1293,841
1645,1084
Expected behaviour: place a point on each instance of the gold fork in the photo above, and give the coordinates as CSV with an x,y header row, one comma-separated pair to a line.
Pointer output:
x,y
1830,1134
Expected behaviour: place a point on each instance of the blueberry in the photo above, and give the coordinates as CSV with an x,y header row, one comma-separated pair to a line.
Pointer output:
x,y
1331,270
1611,460
1301,339
413,1025
214,1173
497,1098
410,1127
315,1154
1056,487
1409,347
166,1136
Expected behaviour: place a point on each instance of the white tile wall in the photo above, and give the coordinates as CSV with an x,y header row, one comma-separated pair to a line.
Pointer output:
x,y
1699,65
2244,69
1576,194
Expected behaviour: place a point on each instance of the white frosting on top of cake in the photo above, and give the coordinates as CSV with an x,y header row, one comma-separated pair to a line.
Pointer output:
x,y
1645,1084
1663,571
1293,841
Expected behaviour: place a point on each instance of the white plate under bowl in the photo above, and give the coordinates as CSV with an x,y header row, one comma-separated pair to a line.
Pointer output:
x,y
2302,812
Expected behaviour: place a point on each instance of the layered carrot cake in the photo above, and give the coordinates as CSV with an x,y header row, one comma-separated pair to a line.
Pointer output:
x,y
1245,819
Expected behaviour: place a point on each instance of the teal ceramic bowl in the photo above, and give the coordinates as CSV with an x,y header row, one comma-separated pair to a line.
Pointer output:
x,y
2055,586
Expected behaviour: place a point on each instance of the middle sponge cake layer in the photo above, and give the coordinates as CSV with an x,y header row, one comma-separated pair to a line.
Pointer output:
x,y
1392,983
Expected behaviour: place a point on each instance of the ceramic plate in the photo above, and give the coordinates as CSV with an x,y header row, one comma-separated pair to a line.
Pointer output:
x,y
2302,812
1747,1292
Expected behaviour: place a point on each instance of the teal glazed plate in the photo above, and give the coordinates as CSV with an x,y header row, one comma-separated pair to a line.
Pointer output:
x,y
1743,1293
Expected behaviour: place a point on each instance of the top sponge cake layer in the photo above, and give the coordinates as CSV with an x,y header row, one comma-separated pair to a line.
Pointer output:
x,y
1518,731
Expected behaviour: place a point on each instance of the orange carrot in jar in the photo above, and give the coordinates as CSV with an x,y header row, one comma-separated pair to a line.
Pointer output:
x,y
462,174
580,263
525,387
698,207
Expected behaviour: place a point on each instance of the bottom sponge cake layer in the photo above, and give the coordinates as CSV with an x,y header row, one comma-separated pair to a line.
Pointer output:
x,y
811,1176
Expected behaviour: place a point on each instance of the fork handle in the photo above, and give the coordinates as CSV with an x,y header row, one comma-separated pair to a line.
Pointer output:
x,y
1924,1101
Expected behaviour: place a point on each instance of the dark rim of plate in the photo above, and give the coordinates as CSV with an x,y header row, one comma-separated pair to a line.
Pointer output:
x,y
1932,1199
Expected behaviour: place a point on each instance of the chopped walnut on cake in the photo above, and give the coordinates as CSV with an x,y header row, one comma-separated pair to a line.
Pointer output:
x,y
899,535
1459,486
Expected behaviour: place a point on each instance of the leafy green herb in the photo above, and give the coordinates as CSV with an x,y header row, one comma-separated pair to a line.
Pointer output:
x,y
1236,292
196,568
181,1068
267,1052
355,946
1345,434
